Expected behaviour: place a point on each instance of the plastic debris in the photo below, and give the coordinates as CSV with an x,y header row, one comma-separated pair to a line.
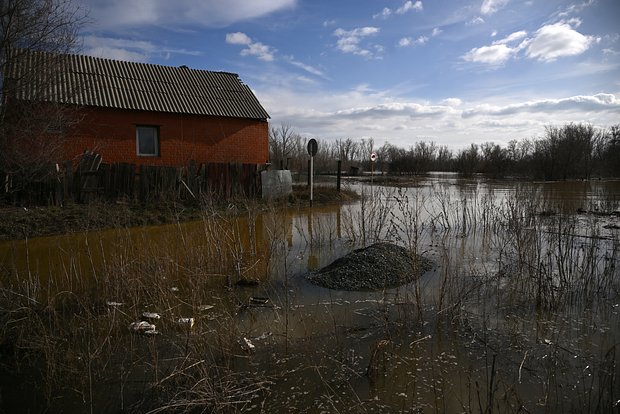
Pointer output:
x,y
151,315
143,327
114,304
203,308
265,335
247,345
186,321
258,300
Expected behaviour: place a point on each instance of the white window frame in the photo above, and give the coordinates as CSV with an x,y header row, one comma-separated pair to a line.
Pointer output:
x,y
153,128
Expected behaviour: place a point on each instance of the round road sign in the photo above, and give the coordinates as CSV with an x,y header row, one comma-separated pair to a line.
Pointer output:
x,y
312,147
373,157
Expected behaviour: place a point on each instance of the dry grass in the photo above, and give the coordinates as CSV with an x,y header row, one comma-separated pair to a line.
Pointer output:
x,y
519,314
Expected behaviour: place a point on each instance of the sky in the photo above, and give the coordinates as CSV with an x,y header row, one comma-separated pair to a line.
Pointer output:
x,y
397,71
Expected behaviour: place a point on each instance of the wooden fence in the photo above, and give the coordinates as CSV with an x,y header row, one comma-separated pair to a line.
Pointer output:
x,y
94,180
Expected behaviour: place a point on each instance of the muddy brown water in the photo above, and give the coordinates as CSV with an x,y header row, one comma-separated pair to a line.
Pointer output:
x,y
474,334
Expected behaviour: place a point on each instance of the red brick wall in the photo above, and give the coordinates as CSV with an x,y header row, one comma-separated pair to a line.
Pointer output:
x,y
112,133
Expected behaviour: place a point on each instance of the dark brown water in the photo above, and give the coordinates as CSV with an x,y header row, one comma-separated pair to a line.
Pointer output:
x,y
519,313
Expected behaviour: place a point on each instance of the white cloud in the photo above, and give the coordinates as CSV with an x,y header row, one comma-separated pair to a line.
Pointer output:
x,y
408,41
557,40
363,112
498,52
384,14
108,52
410,5
128,49
261,51
405,41
267,53
308,68
579,103
238,38
421,40
489,7
452,102
206,13
549,43
349,40
494,33
306,80
328,23
574,8
117,48
475,21
405,8
395,109
494,55
512,38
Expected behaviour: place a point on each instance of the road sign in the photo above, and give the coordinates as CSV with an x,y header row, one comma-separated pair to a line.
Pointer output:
x,y
373,157
313,147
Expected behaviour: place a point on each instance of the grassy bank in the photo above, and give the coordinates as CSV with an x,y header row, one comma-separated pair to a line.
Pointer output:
x,y
29,222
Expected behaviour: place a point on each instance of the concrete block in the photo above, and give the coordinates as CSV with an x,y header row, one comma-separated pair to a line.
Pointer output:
x,y
276,184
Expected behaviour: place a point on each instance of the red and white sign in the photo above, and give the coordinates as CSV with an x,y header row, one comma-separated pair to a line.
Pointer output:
x,y
373,157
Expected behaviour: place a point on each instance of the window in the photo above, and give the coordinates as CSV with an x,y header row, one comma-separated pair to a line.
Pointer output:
x,y
147,141
54,127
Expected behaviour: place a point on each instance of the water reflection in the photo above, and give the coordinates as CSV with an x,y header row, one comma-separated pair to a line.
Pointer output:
x,y
473,333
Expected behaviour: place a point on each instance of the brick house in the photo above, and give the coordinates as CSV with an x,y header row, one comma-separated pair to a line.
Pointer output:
x,y
146,114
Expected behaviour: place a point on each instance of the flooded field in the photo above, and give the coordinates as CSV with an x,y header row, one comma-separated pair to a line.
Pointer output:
x,y
519,312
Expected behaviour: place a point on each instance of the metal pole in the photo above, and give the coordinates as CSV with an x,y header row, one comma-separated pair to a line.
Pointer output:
x,y
372,176
311,179
338,176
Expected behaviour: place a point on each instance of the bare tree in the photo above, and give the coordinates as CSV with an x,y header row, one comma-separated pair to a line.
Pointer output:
x,y
283,142
424,155
31,126
444,158
366,147
347,151
467,160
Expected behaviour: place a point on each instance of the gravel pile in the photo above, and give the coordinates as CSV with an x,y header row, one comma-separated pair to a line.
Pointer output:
x,y
379,266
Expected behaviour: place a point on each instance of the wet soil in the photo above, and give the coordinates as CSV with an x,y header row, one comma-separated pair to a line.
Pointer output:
x,y
30,222
376,267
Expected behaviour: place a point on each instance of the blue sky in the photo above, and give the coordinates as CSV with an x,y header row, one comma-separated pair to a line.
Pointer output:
x,y
454,72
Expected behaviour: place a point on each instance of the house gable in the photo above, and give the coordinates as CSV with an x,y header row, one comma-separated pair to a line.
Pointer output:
x,y
198,115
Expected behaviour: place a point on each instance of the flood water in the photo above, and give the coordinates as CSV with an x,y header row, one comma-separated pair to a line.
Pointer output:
x,y
518,314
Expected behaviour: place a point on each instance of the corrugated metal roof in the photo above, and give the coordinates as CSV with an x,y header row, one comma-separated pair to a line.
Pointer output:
x,y
90,81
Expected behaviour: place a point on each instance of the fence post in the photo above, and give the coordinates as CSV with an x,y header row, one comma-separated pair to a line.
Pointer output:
x,y
338,176
142,181
192,181
67,180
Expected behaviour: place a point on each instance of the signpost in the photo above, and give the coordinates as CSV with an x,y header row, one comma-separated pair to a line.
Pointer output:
x,y
313,147
373,158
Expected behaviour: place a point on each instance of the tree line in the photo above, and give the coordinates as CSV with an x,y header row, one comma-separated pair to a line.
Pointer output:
x,y
571,151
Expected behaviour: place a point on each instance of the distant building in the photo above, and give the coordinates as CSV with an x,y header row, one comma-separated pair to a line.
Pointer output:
x,y
143,113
